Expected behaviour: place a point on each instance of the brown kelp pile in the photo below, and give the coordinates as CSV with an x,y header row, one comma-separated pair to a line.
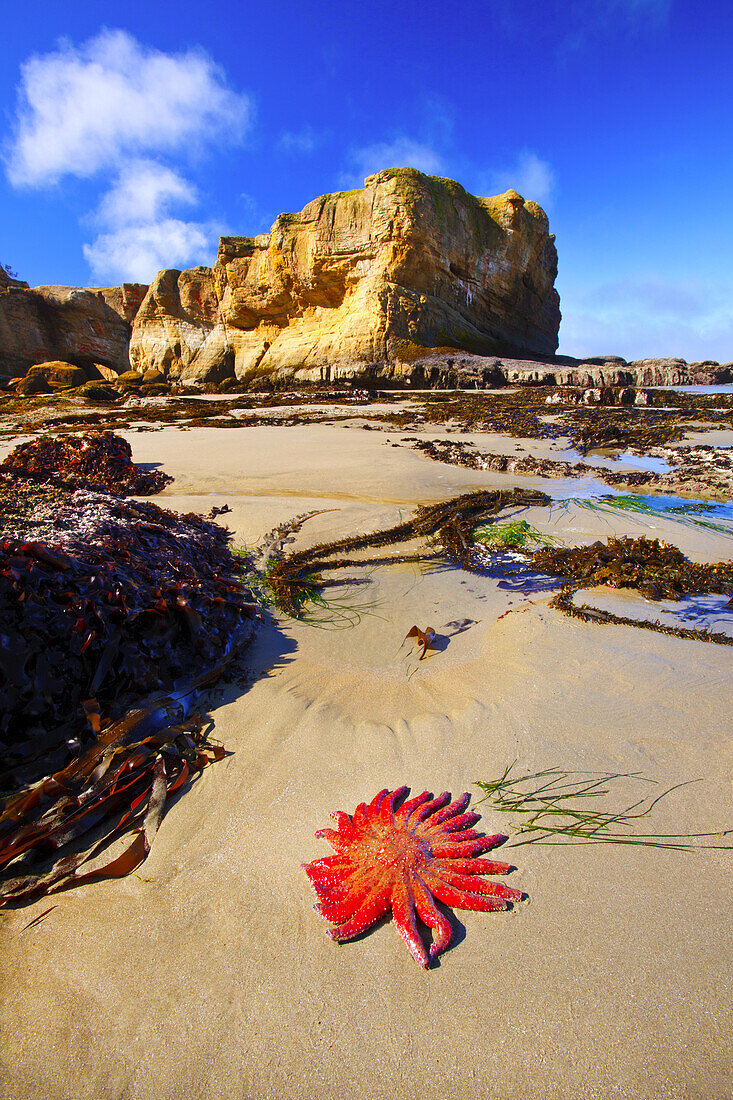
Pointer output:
x,y
657,570
125,601
115,615
540,412
461,453
624,429
94,460
297,578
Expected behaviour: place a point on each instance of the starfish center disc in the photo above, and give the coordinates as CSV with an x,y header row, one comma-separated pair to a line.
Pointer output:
x,y
397,846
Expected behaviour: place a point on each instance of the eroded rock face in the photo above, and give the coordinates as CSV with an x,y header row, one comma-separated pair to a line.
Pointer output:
x,y
360,281
83,327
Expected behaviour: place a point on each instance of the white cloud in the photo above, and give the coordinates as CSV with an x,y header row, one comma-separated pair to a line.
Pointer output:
x,y
85,109
143,191
112,107
135,253
139,235
401,152
650,317
532,177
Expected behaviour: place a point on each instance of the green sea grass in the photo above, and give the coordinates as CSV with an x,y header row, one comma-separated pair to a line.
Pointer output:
x,y
556,806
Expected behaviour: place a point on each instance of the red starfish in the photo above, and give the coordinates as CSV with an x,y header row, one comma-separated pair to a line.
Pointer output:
x,y
401,858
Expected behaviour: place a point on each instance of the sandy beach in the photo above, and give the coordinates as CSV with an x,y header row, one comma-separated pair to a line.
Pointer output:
x,y
208,974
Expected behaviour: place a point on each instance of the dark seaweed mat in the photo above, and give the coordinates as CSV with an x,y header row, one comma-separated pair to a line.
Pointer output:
x,y
94,460
656,569
144,598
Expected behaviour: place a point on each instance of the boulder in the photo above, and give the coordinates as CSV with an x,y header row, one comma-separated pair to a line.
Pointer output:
x,y
153,375
360,282
59,375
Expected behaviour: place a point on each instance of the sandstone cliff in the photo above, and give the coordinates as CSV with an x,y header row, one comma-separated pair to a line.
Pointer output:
x,y
408,279
84,327
360,281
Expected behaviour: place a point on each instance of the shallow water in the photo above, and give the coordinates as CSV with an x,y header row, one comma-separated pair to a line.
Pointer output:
x,y
612,460
589,488
706,509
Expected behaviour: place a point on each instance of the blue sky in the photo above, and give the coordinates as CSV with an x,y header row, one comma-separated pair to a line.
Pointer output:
x,y
133,135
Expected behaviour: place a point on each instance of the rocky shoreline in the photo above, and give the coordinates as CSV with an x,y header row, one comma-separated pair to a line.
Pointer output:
x,y
446,369
699,471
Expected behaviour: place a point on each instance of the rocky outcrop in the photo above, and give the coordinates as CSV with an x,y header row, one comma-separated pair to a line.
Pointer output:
x,y
612,371
408,280
360,282
88,328
467,371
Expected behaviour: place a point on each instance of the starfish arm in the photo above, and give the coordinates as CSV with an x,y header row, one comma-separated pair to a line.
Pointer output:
x,y
375,804
337,842
457,825
338,911
451,810
367,914
474,884
466,845
387,810
430,808
338,891
449,849
403,910
325,872
472,866
403,814
327,863
464,834
331,879
459,899
430,915
463,846
344,825
462,821
360,815
489,842
335,886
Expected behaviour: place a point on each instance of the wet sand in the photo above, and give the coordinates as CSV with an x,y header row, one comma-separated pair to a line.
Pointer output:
x,y
209,975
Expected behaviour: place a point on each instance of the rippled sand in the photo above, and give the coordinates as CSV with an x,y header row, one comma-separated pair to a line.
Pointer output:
x,y
209,975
